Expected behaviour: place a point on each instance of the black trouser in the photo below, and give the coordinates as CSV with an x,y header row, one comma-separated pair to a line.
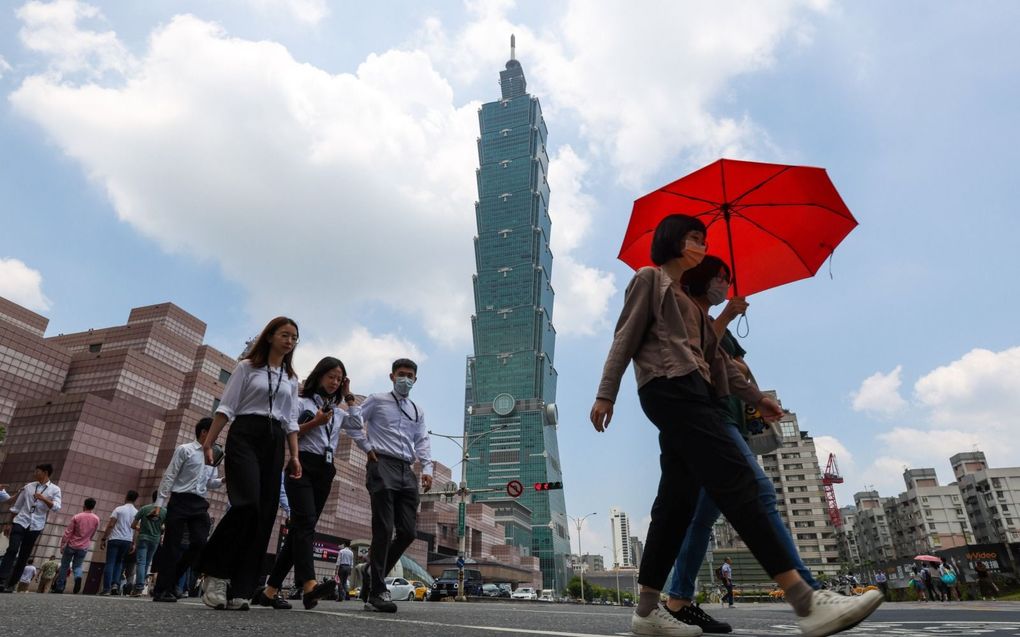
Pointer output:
x,y
22,541
185,512
253,461
344,573
307,497
393,488
697,451
728,597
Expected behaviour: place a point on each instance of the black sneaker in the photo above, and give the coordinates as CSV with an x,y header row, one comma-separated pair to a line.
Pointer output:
x,y
694,616
381,603
165,596
312,597
278,602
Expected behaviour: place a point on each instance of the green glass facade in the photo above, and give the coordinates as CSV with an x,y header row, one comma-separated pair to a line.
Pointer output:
x,y
511,379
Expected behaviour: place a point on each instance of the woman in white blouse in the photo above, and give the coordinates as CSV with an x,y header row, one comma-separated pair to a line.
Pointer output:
x,y
260,403
320,419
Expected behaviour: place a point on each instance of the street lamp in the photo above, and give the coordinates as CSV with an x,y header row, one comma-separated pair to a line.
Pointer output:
x,y
616,567
578,522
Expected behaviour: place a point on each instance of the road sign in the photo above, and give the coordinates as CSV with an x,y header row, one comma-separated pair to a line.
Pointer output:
x,y
460,562
514,488
461,519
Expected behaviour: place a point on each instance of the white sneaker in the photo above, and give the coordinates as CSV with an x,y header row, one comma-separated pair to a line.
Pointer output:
x,y
237,603
660,622
214,592
832,613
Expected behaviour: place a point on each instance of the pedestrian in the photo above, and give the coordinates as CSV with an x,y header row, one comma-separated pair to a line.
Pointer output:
x,y
130,570
726,577
933,583
148,527
947,579
74,545
47,572
182,492
986,586
883,583
259,401
27,575
30,509
344,567
707,284
675,354
394,436
117,540
320,421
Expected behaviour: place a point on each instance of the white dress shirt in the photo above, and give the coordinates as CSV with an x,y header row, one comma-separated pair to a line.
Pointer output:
x,y
327,435
188,473
396,427
248,393
31,513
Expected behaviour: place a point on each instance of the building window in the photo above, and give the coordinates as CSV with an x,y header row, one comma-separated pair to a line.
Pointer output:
x,y
224,376
95,347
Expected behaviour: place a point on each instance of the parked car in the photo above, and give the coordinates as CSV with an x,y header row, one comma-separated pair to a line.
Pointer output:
x,y
524,592
548,595
506,587
400,588
446,584
420,590
491,590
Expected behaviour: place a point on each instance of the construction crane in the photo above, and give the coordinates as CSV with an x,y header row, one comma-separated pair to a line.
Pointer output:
x,y
830,477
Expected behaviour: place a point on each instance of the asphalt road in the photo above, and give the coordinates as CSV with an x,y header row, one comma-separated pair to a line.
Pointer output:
x,y
44,615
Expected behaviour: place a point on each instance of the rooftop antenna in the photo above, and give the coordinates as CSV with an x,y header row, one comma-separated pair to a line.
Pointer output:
x,y
513,47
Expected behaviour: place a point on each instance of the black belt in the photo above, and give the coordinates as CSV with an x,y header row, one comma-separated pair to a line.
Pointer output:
x,y
389,457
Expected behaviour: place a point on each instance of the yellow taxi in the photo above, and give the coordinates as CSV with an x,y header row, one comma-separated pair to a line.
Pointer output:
x,y
420,590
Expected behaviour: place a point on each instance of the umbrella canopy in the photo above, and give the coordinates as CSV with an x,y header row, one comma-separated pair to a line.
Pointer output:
x,y
927,558
773,224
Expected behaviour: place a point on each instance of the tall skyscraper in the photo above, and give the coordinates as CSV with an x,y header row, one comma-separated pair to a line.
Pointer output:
x,y
511,378
623,556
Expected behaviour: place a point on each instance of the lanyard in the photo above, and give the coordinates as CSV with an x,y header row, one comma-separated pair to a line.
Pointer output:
x,y
39,488
273,392
401,408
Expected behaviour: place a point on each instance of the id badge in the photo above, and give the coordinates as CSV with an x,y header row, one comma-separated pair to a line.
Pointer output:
x,y
329,456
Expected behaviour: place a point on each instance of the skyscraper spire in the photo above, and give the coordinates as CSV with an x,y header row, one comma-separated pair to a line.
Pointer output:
x,y
513,47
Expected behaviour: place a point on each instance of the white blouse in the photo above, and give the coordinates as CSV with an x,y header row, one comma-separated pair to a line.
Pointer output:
x,y
248,393
327,436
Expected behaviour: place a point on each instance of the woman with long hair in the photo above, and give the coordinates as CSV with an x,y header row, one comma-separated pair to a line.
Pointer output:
x,y
680,372
320,420
259,402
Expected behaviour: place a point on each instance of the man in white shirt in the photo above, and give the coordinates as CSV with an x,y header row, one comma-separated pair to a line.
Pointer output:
x,y
30,510
118,540
344,566
726,571
27,575
183,492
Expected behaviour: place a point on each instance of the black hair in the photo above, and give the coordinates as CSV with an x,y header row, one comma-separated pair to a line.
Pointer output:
x,y
696,280
325,366
667,243
405,362
47,467
132,495
202,425
90,503
155,495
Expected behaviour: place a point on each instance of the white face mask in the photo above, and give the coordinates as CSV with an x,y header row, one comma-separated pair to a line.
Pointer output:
x,y
402,385
717,291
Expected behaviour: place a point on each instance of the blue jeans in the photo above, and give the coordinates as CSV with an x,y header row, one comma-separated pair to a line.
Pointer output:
x,y
71,558
116,551
144,551
692,551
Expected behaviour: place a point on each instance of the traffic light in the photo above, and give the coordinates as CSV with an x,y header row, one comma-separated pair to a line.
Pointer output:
x,y
546,486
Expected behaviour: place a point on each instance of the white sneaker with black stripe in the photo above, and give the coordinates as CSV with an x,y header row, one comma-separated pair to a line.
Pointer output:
x,y
660,622
832,613
214,592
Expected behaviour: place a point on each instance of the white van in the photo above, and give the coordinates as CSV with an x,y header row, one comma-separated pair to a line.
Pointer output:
x,y
548,595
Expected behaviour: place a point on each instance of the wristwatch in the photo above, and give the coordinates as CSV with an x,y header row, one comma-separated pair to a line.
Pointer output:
x,y
349,398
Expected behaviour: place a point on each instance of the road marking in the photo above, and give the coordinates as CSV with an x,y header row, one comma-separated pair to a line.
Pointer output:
x,y
499,629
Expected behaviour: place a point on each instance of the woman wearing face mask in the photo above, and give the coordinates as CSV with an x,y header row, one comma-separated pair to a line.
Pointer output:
x,y
259,401
707,285
320,421
676,358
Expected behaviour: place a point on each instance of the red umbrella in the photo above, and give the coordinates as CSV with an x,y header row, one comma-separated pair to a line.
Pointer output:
x,y
779,222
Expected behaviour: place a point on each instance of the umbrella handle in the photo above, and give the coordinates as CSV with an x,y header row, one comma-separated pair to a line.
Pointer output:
x,y
742,333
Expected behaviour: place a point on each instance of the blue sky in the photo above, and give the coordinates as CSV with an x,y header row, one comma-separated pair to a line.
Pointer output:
x,y
248,158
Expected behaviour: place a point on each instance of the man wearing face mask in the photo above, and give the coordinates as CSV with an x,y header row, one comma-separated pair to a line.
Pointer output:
x,y
394,436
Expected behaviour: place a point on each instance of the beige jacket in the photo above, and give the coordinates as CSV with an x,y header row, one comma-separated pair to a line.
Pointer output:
x,y
652,332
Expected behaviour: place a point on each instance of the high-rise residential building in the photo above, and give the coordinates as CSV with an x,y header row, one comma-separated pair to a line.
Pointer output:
x,y
991,497
637,549
588,563
511,375
620,526
927,516
796,474
846,534
871,525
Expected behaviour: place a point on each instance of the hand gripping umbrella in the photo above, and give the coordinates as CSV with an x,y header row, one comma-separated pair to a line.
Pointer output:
x,y
779,222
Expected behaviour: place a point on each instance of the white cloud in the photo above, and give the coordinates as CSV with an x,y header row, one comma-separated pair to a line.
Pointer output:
x,y
980,390
885,475
23,285
307,11
4,66
52,29
879,394
367,357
